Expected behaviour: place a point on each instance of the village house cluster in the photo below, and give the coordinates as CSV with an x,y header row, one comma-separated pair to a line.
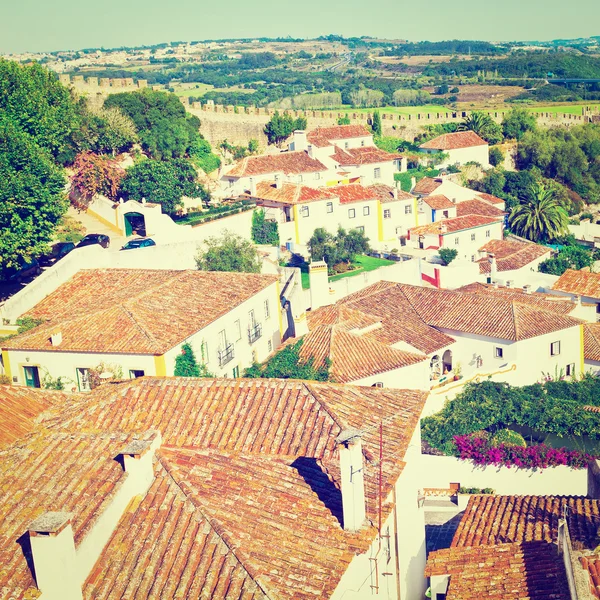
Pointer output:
x,y
134,483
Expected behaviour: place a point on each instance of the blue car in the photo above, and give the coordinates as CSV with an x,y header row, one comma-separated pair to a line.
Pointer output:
x,y
139,243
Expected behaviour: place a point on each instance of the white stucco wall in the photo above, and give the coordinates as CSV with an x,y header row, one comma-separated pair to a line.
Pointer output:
x,y
413,377
461,156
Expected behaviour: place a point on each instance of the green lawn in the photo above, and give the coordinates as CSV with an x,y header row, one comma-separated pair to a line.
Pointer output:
x,y
571,108
363,264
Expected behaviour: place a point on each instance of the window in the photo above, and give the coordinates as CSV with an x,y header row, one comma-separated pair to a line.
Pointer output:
x,y
472,258
231,182
32,377
329,207
267,311
488,233
554,348
346,145
351,213
135,373
269,345
387,213
456,240
304,210
498,352
237,329
236,372
222,339
570,370
83,379
366,211
472,237
377,173
445,213
317,175
362,142
378,384
408,209
361,229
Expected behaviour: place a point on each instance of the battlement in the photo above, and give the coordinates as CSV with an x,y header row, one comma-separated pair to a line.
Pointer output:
x,y
81,82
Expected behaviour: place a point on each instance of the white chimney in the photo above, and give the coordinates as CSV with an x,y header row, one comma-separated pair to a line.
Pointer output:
x,y
319,284
300,140
577,300
352,479
363,180
508,283
495,284
493,265
413,183
56,338
252,187
278,181
443,227
54,558
137,462
527,289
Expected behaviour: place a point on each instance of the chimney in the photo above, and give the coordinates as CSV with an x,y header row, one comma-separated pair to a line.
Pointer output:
x,y
395,193
577,300
527,289
413,183
443,227
363,180
495,284
300,140
319,284
136,459
508,283
252,187
493,266
352,479
56,338
278,181
54,558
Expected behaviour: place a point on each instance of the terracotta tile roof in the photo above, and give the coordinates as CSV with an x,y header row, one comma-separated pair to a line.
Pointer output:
x,y
290,193
591,341
484,314
353,356
388,193
19,409
511,255
426,185
478,207
324,136
122,310
453,225
490,519
352,192
438,202
490,198
592,565
454,141
286,162
66,472
363,156
582,283
525,571
546,302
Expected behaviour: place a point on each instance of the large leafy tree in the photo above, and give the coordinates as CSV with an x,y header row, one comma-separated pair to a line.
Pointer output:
x,y
35,102
229,252
95,174
165,182
569,257
280,127
264,231
517,122
32,198
539,217
164,128
483,125
105,130
343,247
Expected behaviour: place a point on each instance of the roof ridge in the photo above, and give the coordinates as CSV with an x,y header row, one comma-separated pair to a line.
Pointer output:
x,y
215,526
139,327
311,390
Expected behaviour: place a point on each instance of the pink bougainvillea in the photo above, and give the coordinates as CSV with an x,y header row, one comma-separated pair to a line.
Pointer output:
x,y
481,452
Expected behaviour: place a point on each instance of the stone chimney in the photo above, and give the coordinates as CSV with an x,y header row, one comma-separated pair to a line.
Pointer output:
x,y
300,140
56,338
352,479
54,557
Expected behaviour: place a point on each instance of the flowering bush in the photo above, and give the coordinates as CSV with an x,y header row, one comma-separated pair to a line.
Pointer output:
x,y
480,450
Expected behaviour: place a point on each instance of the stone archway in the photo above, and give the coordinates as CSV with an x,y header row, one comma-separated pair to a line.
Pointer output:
x,y
447,361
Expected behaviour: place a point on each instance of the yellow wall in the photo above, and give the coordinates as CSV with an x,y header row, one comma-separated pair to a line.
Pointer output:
x,y
582,350
114,227
380,221
160,366
6,363
296,225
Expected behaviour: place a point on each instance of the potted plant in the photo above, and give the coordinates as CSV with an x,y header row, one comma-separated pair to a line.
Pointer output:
x,y
457,371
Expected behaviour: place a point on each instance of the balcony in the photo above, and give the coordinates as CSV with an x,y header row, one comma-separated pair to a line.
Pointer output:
x,y
226,355
254,332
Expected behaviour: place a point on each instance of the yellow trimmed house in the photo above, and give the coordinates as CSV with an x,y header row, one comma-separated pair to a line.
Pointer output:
x,y
138,320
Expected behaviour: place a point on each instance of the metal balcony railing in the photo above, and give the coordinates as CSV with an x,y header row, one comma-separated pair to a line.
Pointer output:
x,y
254,332
226,354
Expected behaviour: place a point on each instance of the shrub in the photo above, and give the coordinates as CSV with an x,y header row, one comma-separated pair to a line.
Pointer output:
x,y
586,215
496,156
447,254
4,380
508,437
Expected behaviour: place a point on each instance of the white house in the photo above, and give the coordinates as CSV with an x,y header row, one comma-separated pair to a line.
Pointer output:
x,y
465,234
581,285
462,147
383,213
591,343
444,186
171,484
137,320
434,208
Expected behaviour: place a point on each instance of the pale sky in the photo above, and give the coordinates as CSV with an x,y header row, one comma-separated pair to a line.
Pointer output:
x,y
46,25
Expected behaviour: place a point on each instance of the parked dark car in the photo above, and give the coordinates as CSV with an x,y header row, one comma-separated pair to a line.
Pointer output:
x,y
26,268
59,250
138,243
95,238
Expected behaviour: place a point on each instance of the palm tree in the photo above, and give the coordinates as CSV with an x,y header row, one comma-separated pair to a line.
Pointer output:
x,y
483,125
539,217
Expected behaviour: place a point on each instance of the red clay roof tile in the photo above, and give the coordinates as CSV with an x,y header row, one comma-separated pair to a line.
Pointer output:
x,y
478,207
582,283
454,141
453,225
287,162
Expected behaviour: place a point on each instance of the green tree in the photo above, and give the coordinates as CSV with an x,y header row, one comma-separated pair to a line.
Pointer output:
x,y
343,247
164,128
517,122
280,127
264,231
229,252
165,182
447,255
376,123
496,156
569,257
345,120
32,198
201,153
539,217
186,364
287,364
483,125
